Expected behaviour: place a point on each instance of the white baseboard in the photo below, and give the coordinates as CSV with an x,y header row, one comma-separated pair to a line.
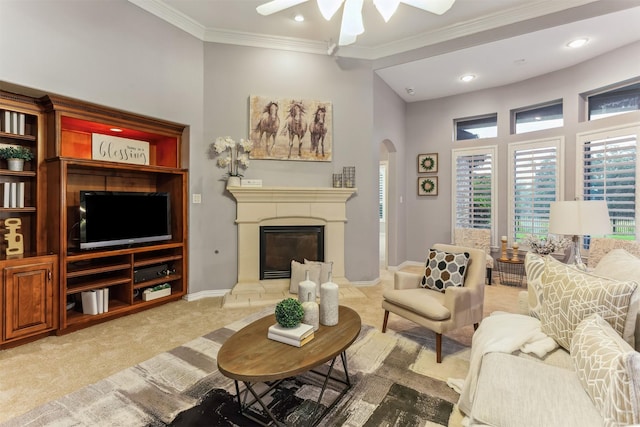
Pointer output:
x,y
206,294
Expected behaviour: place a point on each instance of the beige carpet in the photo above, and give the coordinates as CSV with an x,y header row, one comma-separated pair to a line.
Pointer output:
x,y
38,372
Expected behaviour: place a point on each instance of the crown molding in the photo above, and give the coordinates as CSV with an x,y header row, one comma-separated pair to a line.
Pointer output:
x,y
529,10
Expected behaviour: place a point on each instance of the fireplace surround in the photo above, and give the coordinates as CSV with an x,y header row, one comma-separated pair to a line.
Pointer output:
x,y
286,206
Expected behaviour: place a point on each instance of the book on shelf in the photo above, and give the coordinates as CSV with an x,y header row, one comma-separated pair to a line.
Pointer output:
x,y
95,301
13,202
6,121
14,122
21,119
291,341
297,332
6,195
20,194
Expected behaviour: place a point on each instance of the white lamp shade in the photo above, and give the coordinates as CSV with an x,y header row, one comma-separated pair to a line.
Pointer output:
x,y
579,218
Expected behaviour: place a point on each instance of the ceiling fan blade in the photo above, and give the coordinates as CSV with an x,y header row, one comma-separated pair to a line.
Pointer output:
x,y
329,7
434,6
352,25
275,6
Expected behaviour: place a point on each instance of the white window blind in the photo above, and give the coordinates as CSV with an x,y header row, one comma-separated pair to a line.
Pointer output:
x,y
474,179
609,172
535,181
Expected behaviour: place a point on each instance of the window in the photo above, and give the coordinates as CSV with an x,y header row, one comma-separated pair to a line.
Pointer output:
x,y
478,127
613,102
382,190
537,118
607,170
535,180
474,180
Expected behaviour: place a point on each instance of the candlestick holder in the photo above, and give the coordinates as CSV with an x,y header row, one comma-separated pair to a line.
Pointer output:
x,y
514,255
503,255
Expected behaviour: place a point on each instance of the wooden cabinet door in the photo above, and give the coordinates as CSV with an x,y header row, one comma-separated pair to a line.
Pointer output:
x,y
28,299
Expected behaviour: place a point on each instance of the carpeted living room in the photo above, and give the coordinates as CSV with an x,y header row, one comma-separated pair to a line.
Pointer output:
x,y
468,175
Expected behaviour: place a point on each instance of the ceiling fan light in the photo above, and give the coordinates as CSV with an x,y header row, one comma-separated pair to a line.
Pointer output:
x,y
352,18
328,8
386,8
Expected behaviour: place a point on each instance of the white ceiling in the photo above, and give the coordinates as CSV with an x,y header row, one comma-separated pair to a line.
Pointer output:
x,y
499,41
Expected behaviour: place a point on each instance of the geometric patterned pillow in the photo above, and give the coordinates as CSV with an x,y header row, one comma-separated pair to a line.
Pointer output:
x,y
444,269
571,295
534,267
609,370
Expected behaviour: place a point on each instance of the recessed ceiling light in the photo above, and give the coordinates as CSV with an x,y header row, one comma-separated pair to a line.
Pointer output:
x,y
298,18
115,130
467,77
577,42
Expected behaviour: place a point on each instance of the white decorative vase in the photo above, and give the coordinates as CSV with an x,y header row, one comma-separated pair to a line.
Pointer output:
x,y
311,314
233,181
306,289
329,303
15,164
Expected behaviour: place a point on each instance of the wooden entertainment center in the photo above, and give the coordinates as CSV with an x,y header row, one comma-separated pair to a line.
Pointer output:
x,y
41,289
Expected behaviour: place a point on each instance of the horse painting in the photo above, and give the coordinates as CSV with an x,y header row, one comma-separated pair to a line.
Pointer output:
x,y
295,125
318,130
268,125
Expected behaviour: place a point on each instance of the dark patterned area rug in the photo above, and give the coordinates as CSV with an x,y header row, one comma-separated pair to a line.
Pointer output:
x,y
182,387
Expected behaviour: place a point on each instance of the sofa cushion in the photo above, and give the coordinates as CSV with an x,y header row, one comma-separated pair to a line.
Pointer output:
x,y
534,267
609,369
621,265
444,269
325,270
421,301
513,391
298,273
571,295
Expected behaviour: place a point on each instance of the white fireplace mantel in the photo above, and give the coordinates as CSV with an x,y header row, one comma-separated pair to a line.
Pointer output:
x,y
264,206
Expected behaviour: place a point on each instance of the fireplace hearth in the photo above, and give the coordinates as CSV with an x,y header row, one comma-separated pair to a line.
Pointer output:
x,y
279,245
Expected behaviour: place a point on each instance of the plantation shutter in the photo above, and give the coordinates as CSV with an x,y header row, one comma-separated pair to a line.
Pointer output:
x,y
609,173
535,184
473,189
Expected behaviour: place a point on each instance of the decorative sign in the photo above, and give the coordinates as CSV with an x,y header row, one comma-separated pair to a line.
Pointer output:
x,y
14,239
117,149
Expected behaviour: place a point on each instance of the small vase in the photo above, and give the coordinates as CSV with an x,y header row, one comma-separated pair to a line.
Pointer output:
x,y
306,289
15,164
233,181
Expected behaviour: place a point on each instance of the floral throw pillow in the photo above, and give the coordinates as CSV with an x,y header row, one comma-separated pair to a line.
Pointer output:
x,y
444,269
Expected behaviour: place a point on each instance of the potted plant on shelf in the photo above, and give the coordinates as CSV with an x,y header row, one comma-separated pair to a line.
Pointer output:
x,y
16,156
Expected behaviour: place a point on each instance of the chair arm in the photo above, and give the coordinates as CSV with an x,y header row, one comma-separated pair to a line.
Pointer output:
x,y
459,298
406,280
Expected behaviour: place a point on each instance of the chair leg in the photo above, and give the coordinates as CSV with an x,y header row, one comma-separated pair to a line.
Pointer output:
x,y
384,323
438,348
475,326
489,271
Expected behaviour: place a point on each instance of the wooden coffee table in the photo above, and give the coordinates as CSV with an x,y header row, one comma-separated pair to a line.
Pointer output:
x,y
250,357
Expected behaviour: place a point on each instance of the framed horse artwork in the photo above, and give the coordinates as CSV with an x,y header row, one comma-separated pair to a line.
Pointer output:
x,y
290,129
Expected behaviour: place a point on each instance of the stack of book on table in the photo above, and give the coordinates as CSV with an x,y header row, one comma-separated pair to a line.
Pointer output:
x,y
296,336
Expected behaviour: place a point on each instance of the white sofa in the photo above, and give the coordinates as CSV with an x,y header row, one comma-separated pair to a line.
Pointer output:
x,y
592,378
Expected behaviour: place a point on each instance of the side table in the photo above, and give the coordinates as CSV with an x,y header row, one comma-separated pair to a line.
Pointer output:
x,y
511,272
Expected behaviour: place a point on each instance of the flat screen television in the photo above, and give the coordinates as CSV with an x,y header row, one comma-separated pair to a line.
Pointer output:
x,y
119,218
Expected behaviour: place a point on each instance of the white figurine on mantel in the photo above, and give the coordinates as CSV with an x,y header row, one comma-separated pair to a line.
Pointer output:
x,y
306,289
311,312
329,303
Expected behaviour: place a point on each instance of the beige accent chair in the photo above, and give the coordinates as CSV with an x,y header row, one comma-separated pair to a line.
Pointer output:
x,y
439,311
479,238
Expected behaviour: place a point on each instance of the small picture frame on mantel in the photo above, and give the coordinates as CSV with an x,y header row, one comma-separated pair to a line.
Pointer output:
x,y
428,163
428,186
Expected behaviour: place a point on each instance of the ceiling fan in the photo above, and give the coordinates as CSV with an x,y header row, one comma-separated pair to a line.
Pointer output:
x,y
352,25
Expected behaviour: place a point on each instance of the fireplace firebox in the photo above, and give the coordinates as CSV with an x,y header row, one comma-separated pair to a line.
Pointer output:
x,y
279,245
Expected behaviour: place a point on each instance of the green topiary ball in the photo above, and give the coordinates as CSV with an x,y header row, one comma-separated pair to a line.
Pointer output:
x,y
289,313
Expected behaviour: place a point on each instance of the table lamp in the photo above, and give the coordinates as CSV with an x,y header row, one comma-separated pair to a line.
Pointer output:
x,y
579,218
